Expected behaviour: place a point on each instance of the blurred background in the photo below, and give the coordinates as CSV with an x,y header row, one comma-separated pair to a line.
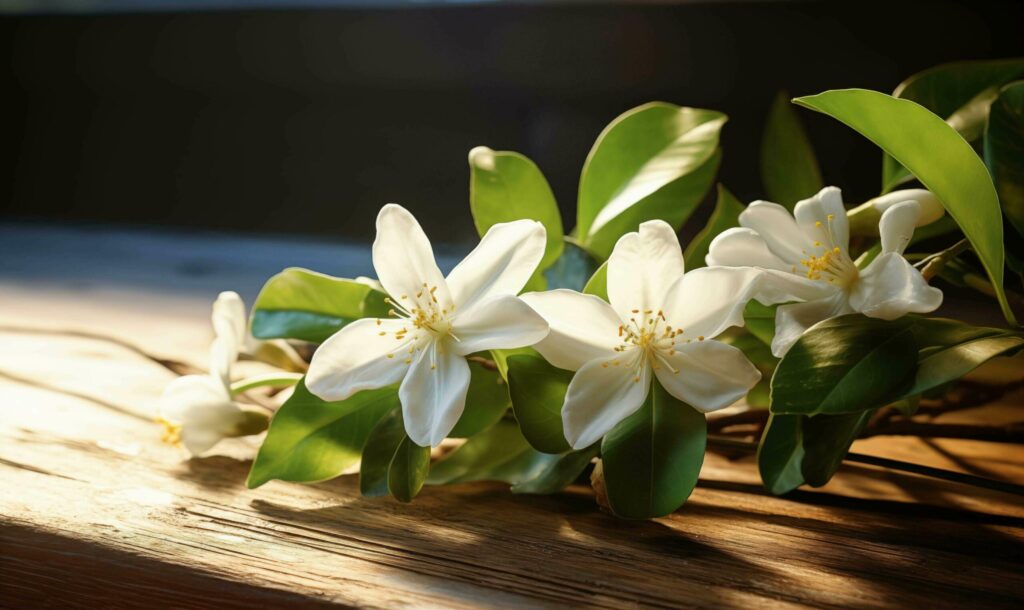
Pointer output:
x,y
303,118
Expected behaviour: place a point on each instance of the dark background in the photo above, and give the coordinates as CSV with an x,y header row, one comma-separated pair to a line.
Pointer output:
x,y
306,121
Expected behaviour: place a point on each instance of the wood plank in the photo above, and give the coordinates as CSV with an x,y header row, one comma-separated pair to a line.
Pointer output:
x,y
96,511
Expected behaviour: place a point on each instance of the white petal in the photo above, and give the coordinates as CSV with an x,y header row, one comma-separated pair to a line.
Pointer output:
x,y
896,227
433,394
743,247
601,395
711,375
403,257
501,263
642,266
931,207
500,322
582,327
202,406
823,219
890,288
792,320
356,358
706,301
779,230
223,355
230,330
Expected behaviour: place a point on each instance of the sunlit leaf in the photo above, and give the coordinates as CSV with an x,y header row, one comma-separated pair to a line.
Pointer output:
x,y
726,215
486,402
789,168
538,391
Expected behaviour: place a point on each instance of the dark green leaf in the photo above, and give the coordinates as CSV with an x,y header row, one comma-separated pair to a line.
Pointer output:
x,y
486,401
538,391
940,159
312,440
572,269
725,216
506,186
959,92
781,453
408,470
844,365
827,439
651,460
310,306
654,161
950,349
1004,151
760,321
380,449
597,285
789,168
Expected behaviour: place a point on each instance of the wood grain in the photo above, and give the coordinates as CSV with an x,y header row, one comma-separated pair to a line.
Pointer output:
x,y
96,512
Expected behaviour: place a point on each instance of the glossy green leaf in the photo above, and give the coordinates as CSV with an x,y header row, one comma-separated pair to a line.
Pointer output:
x,y
538,391
781,453
310,306
940,159
312,440
500,453
501,356
506,186
950,349
408,470
654,161
572,269
486,402
597,285
959,92
380,449
827,440
726,215
1004,151
759,321
789,168
844,365
652,459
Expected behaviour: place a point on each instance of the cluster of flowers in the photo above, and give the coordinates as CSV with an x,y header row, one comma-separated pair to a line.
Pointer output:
x,y
659,324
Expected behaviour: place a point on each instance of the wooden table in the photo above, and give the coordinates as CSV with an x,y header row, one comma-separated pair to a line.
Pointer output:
x,y
96,512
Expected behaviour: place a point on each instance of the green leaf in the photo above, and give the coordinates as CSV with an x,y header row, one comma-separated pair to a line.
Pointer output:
x,y
844,365
380,449
500,453
538,391
312,440
597,285
408,470
572,269
959,92
1004,151
506,186
827,440
789,168
726,215
950,349
486,402
781,453
652,459
310,306
654,161
940,159
759,320
501,356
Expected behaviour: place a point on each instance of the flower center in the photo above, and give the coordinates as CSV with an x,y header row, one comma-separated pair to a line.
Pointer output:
x,y
828,261
425,317
649,339
172,431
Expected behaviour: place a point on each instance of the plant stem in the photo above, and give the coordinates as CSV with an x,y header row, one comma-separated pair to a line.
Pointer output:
x,y
939,261
273,380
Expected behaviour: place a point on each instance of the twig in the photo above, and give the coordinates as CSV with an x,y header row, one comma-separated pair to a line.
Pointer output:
x,y
487,363
937,262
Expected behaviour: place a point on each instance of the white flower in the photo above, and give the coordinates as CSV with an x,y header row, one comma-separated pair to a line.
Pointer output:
x,y
439,321
199,410
810,255
659,321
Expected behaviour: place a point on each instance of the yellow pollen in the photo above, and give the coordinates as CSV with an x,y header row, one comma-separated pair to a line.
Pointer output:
x,y
408,360
636,380
391,355
172,431
378,322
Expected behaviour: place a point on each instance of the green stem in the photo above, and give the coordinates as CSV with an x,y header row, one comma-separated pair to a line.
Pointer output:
x,y
272,380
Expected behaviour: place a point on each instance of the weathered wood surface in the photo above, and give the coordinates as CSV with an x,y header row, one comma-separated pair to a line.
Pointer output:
x,y
96,512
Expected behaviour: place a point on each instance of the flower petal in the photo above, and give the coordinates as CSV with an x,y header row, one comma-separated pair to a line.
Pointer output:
x,y
931,207
711,375
743,247
706,301
642,266
230,330
896,227
433,394
203,408
890,288
778,229
823,219
582,327
403,257
357,358
500,322
501,263
792,320
601,395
